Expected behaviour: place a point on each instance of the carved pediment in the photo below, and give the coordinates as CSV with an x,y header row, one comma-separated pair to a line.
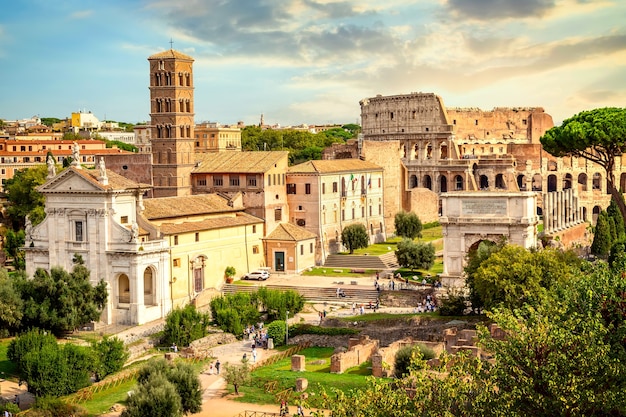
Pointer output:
x,y
71,181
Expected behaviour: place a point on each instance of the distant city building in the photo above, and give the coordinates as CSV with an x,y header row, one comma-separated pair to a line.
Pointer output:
x,y
142,138
212,137
22,154
84,121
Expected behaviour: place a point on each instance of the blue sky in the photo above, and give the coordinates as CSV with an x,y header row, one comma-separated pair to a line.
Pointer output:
x,y
311,61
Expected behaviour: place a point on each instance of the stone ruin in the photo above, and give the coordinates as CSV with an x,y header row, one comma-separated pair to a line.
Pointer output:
x,y
363,349
359,350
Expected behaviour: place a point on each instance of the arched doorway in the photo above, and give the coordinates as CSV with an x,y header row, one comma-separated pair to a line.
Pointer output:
x,y
198,265
567,182
428,182
484,182
148,287
551,183
412,181
443,184
500,184
582,181
123,289
458,183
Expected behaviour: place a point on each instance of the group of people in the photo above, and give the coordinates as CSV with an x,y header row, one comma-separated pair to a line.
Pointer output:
x,y
284,409
340,293
257,334
427,306
214,368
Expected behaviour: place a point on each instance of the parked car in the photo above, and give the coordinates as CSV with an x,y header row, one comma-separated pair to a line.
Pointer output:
x,y
258,275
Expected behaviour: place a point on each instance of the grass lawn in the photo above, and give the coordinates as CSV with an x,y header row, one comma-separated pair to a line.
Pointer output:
x,y
102,401
317,373
8,369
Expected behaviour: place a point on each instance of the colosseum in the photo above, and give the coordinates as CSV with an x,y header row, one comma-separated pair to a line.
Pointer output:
x,y
427,149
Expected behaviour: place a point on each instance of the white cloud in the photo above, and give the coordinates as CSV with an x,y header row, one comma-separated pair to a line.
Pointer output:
x,y
81,14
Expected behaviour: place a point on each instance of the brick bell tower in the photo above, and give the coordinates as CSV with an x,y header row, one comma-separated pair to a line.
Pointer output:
x,y
171,123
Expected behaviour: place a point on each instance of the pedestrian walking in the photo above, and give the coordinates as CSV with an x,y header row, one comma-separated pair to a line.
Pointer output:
x,y
253,354
217,366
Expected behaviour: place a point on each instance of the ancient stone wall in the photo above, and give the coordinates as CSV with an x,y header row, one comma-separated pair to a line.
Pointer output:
x,y
383,361
424,203
500,124
405,113
349,150
359,351
386,155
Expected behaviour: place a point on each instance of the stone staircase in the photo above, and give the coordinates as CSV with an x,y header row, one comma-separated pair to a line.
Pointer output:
x,y
358,261
354,293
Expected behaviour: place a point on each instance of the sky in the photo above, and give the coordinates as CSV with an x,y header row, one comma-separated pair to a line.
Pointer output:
x,y
311,61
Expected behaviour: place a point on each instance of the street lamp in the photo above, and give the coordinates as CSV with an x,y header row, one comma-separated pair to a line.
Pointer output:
x,y
287,328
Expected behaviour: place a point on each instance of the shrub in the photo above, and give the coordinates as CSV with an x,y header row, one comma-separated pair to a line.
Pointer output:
x,y
276,330
276,302
111,354
182,376
453,305
245,305
33,340
50,369
55,407
412,357
183,326
155,397
299,329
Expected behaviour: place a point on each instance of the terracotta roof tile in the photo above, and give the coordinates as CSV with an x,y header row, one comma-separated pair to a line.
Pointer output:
x,y
329,166
115,181
240,219
292,232
248,162
170,53
193,205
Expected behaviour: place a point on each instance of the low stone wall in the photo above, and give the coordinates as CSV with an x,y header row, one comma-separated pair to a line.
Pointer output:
x,y
202,347
359,351
383,361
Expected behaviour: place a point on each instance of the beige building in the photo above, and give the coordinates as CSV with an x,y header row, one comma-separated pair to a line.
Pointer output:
x,y
326,196
290,248
212,137
154,254
204,234
258,176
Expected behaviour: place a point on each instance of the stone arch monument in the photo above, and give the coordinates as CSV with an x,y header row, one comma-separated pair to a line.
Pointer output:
x,y
469,217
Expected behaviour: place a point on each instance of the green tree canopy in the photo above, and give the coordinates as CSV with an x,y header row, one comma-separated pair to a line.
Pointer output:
x,y
475,257
184,325
513,275
23,197
237,375
11,304
408,225
564,356
354,237
415,255
61,301
602,238
597,135
183,378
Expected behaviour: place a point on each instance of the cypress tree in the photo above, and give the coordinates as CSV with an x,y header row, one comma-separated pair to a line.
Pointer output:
x,y
602,236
